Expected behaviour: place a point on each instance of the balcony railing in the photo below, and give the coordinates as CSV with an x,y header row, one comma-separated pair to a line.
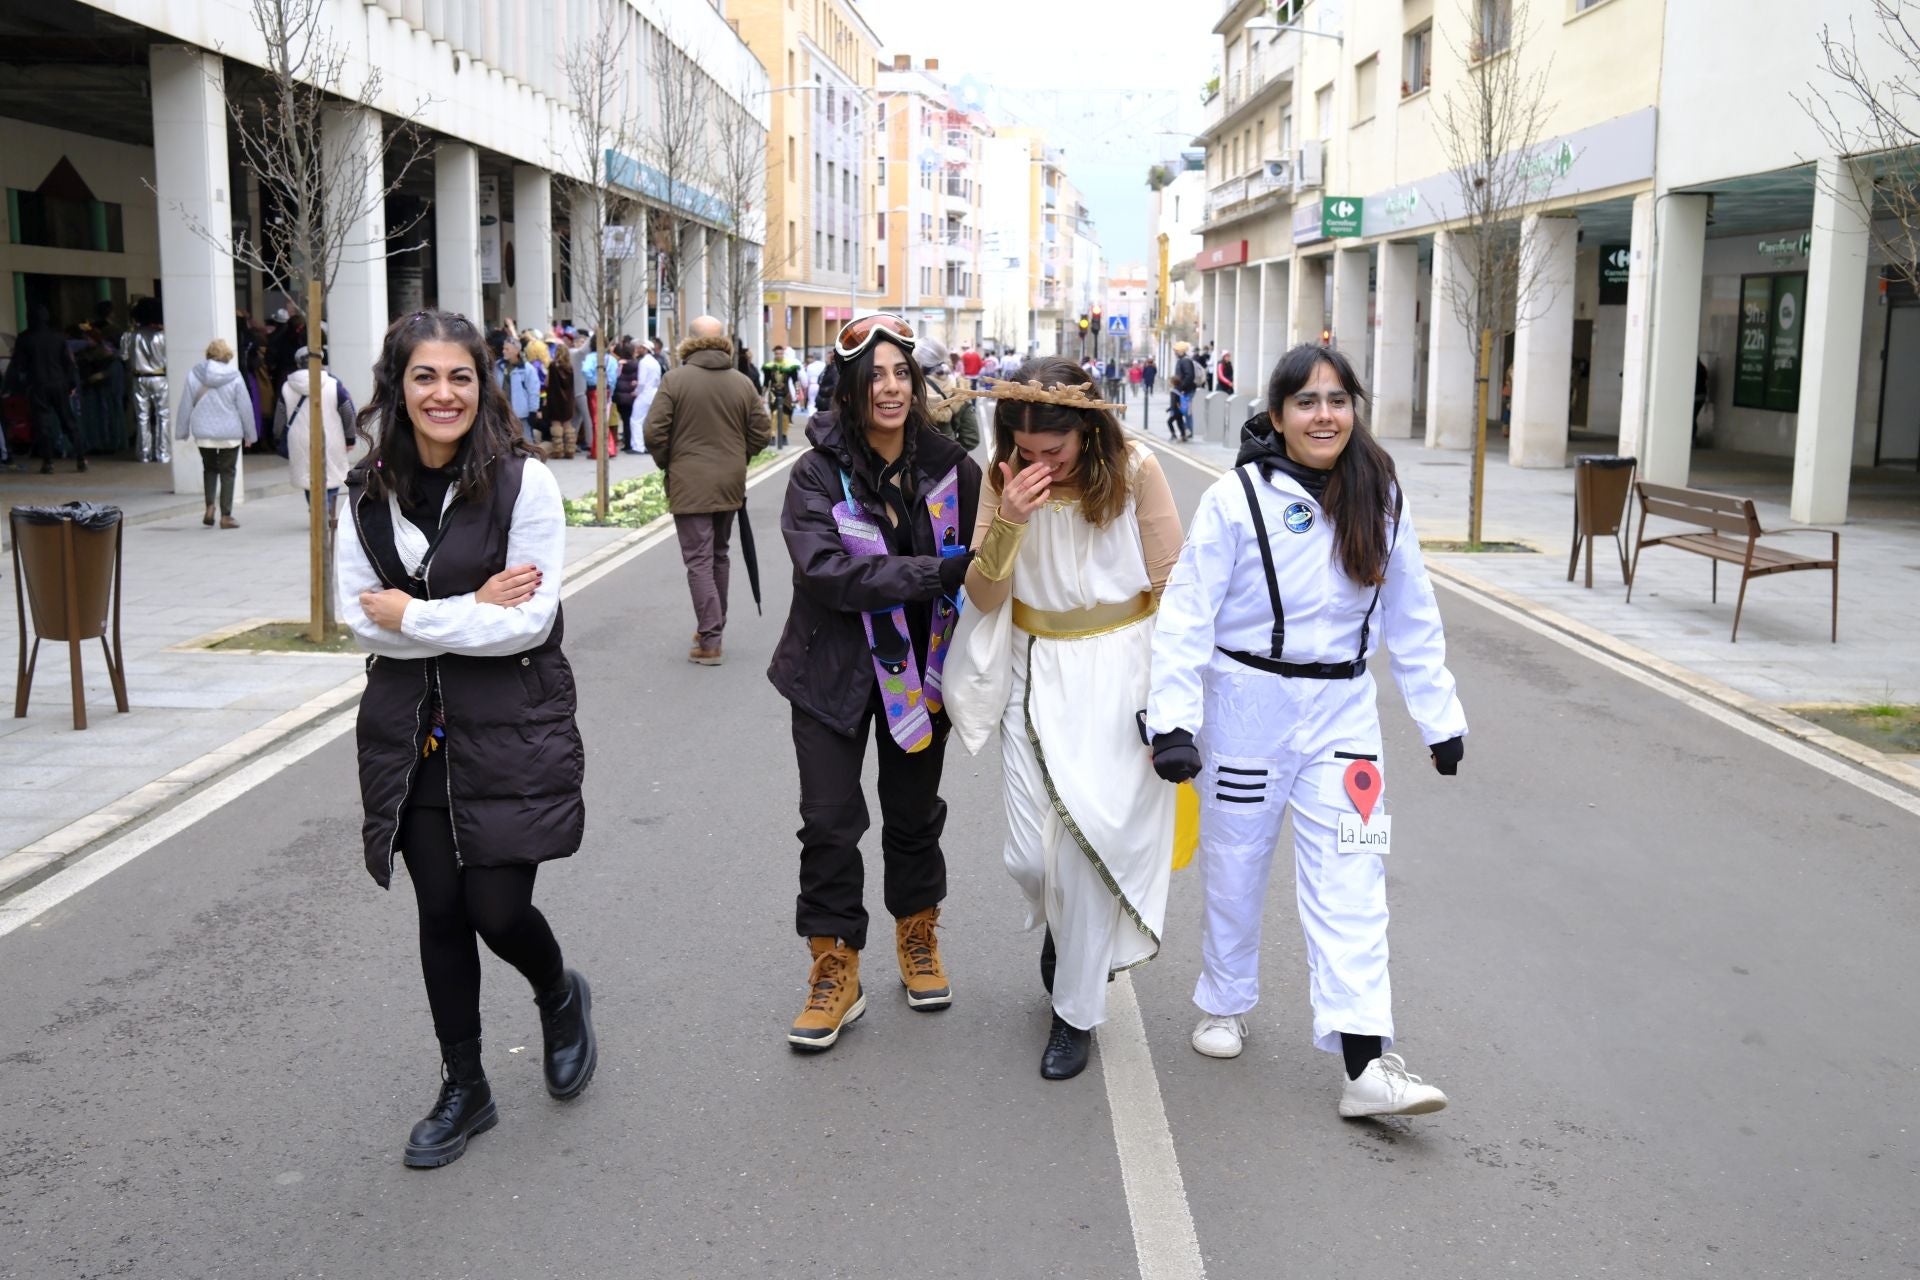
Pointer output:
x,y
1243,190
1268,63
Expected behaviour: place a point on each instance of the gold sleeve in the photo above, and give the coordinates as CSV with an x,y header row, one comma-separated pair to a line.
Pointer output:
x,y
999,549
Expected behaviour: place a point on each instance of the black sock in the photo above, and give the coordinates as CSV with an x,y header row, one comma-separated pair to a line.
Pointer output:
x,y
1358,1051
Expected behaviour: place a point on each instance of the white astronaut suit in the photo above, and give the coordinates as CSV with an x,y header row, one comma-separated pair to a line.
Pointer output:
x,y
1268,740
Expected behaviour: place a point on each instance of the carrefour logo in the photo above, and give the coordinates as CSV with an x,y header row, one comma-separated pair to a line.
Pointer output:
x,y
1343,208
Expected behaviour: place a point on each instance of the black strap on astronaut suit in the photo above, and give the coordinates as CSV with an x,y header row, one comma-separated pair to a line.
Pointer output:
x,y
1298,670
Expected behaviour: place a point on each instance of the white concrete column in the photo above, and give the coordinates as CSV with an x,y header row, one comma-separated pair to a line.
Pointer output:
x,y
1246,330
717,268
692,300
1350,268
190,171
1396,341
1226,297
1666,440
1209,300
1273,324
533,245
1306,300
1453,350
1543,343
1830,345
357,314
1638,351
456,229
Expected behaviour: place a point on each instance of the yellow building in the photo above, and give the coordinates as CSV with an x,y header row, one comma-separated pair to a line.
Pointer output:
x,y
823,169
933,154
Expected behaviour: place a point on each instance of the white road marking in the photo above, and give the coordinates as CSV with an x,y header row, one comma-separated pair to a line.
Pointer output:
x,y
1164,1240
56,889
1759,731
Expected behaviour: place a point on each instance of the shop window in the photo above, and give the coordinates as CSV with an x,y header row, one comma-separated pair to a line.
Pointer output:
x,y
1416,63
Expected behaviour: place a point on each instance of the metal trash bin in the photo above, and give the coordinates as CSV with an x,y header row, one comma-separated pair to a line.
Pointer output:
x,y
1602,484
66,569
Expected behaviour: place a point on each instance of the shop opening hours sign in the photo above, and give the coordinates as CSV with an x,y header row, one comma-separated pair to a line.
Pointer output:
x,y
1767,362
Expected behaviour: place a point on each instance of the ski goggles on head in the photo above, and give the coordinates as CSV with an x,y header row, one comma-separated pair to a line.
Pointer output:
x,y
861,334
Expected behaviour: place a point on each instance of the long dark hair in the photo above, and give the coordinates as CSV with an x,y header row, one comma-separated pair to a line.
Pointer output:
x,y
1364,492
853,401
393,465
1101,475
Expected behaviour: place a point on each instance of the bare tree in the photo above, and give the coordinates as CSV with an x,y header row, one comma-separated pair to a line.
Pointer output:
x,y
1860,113
740,178
1489,125
325,199
678,143
603,203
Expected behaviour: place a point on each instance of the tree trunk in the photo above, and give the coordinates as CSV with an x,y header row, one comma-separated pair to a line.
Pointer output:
x,y
1476,499
316,473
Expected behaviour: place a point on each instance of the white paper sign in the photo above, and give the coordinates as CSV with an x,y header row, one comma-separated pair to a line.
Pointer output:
x,y
489,230
1356,836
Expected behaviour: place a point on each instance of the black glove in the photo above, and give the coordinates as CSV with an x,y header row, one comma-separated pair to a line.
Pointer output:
x,y
1175,758
953,572
1447,755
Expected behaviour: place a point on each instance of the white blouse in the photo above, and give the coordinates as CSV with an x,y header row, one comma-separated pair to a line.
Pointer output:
x,y
461,624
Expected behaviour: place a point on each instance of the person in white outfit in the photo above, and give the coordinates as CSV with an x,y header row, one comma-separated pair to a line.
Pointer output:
x,y
1296,566
294,416
1077,533
217,414
646,385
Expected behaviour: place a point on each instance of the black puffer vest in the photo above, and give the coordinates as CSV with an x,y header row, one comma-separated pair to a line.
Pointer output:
x,y
514,757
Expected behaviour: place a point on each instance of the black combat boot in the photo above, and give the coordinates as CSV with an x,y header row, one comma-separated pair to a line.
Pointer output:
x,y
464,1109
1066,1052
566,1023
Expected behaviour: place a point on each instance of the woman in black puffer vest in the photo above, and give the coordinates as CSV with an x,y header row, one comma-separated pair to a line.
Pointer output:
x,y
470,761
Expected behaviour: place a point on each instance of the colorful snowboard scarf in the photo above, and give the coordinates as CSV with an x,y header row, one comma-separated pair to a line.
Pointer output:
x,y
910,704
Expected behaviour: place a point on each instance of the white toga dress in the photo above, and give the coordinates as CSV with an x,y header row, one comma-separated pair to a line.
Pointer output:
x,y
1089,824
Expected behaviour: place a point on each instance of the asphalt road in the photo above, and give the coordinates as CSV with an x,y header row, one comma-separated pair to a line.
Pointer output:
x,y
1665,972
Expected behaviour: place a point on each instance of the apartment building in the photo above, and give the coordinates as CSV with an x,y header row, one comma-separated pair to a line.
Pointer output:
x,y
933,158
1684,222
823,167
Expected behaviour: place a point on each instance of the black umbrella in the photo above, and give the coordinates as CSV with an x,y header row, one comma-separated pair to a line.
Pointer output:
x,y
751,556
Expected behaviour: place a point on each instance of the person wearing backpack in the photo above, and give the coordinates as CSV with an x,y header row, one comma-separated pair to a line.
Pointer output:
x,y
293,419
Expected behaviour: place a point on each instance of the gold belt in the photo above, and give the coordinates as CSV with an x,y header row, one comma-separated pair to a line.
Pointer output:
x,y
1080,624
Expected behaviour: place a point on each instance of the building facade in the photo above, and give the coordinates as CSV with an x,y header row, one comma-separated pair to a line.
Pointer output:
x,y
934,161
126,179
1678,224
823,164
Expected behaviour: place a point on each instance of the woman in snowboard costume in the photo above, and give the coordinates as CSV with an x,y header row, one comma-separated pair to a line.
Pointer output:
x,y
877,518
470,762
1075,539
1297,565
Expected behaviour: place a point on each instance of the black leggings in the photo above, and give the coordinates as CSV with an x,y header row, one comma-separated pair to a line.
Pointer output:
x,y
459,904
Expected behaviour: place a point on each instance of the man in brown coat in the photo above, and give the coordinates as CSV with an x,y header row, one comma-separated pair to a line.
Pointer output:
x,y
706,422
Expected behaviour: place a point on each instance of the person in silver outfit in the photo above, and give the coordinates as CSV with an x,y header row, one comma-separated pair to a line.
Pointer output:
x,y
144,349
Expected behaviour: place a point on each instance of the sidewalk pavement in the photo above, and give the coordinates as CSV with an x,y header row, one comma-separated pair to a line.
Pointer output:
x,y
1783,657
195,713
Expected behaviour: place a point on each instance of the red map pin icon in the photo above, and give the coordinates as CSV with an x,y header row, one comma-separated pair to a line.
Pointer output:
x,y
1363,787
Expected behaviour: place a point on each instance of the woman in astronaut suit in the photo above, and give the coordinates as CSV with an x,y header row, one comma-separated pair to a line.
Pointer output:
x,y
1295,566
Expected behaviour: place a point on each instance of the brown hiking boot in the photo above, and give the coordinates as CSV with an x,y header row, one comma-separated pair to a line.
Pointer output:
x,y
921,972
703,657
834,997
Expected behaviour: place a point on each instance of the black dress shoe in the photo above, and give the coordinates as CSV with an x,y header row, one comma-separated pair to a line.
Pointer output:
x,y
465,1108
1047,957
566,1023
1066,1052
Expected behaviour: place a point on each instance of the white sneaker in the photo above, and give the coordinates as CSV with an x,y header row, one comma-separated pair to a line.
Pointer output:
x,y
1386,1089
1220,1035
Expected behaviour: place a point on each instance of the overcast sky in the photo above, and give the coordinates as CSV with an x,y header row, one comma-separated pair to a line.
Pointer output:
x,y
1102,79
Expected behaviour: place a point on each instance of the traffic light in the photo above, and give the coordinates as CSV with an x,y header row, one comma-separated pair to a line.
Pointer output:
x,y
1083,322
1096,317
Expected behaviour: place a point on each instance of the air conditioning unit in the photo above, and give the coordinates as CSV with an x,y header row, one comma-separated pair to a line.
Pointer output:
x,y
1306,165
1279,169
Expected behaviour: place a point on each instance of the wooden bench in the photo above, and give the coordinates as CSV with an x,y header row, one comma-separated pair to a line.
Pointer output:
x,y
1726,528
